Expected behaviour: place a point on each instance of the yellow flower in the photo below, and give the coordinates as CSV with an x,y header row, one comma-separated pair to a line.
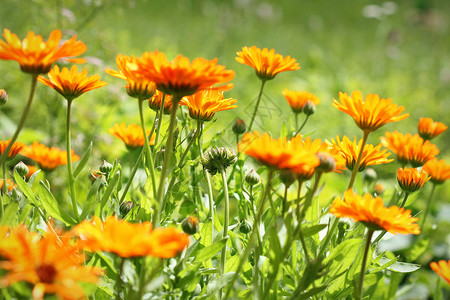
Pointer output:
x,y
442,268
297,100
180,77
52,264
48,159
266,63
409,148
410,180
371,113
137,87
205,103
36,56
15,149
439,170
130,240
372,213
349,150
71,84
429,129
132,135
280,153
155,102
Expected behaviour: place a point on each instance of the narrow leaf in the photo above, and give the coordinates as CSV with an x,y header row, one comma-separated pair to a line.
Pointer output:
x,y
111,186
83,161
210,251
52,206
26,189
91,198
9,215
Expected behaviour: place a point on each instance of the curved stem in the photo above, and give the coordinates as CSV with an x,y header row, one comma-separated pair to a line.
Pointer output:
x,y
303,125
404,200
166,163
160,112
73,195
22,119
148,151
132,174
428,207
358,160
207,176
226,219
256,106
363,265
284,206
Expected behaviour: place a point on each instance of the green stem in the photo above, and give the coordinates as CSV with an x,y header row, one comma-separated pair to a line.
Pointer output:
x,y
257,105
404,200
73,195
284,206
132,174
358,160
225,221
244,257
428,207
363,265
160,112
166,163
303,125
119,278
208,177
22,120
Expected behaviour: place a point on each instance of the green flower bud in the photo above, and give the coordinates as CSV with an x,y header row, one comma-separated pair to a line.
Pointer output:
x,y
16,195
105,167
287,177
309,108
3,97
126,207
370,175
160,157
217,159
245,226
190,225
252,177
239,126
21,169
327,162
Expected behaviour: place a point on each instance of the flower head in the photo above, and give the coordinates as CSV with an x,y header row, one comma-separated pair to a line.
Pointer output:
x,y
371,113
155,102
266,63
297,100
429,129
410,180
439,170
205,103
373,213
130,240
137,86
442,268
10,185
349,151
15,148
409,148
48,159
132,135
71,84
36,56
280,154
51,263
181,77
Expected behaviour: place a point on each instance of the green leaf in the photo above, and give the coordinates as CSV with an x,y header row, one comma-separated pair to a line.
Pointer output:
x,y
9,215
52,207
111,186
26,189
83,161
206,233
311,230
400,267
220,282
91,199
232,264
384,264
210,251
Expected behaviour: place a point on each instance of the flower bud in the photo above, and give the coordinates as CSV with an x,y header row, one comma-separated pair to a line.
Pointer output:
x,y
105,167
218,159
252,177
21,169
245,226
309,108
190,225
16,195
370,175
239,126
160,157
3,97
287,177
327,162
126,207
378,191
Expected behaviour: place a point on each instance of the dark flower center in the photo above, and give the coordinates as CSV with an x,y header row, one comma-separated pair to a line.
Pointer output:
x,y
46,273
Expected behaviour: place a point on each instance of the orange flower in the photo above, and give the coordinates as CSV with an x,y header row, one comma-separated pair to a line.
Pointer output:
x,y
10,185
48,159
280,153
71,84
349,150
371,113
15,149
205,103
31,171
438,170
137,87
442,268
410,180
297,99
372,213
52,264
266,63
132,135
429,129
155,102
409,148
180,77
130,240
36,56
